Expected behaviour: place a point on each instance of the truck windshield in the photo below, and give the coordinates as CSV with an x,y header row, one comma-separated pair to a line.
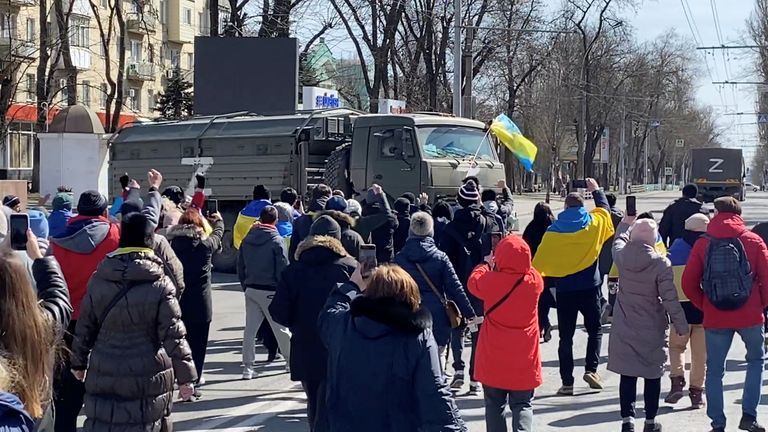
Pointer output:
x,y
455,142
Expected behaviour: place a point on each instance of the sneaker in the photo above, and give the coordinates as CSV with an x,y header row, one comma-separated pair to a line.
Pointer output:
x,y
247,373
676,390
474,388
197,394
750,424
201,381
566,390
697,398
628,427
652,427
458,381
594,381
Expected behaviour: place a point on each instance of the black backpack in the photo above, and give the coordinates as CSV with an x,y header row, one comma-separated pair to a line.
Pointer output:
x,y
727,280
470,253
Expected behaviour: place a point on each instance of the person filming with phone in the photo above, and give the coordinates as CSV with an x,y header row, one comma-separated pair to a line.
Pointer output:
x,y
577,278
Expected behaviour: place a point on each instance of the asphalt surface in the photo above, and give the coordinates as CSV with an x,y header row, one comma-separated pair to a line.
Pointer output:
x,y
271,402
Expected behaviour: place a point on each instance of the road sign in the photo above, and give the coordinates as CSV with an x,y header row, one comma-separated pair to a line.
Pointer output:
x,y
679,143
668,171
762,118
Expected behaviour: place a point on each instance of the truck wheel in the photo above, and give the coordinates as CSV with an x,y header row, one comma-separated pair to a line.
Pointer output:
x,y
225,261
337,174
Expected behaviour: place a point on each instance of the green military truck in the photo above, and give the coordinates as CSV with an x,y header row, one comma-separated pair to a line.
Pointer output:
x,y
343,148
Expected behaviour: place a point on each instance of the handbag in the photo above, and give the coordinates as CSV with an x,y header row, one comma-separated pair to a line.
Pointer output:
x,y
451,309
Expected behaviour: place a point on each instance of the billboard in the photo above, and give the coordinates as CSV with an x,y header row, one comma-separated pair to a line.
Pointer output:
x,y
259,75
320,98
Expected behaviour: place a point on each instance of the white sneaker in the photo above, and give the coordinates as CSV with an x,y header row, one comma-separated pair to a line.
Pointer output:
x,y
247,373
201,380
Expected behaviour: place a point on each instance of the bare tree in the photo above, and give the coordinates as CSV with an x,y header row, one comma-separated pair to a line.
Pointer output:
x,y
112,25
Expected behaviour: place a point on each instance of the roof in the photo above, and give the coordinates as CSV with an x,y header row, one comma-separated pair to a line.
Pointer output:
x,y
418,119
76,119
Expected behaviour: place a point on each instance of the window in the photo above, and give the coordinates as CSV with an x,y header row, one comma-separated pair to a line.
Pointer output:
x,y
63,90
189,58
163,11
393,142
105,3
450,142
85,93
30,33
135,51
103,96
79,31
31,87
20,144
8,26
223,19
175,58
136,7
187,16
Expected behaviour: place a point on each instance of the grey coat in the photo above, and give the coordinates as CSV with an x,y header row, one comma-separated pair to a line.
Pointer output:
x,y
262,258
646,295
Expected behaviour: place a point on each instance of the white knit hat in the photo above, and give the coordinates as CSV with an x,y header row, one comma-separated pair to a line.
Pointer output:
x,y
422,225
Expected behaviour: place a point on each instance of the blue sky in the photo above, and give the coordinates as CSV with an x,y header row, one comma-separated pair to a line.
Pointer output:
x,y
654,17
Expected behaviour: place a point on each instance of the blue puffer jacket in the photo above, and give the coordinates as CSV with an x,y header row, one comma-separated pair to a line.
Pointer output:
x,y
438,267
13,418
383,367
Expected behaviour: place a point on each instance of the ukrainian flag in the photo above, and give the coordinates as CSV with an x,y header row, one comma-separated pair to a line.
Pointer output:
x,y
509,134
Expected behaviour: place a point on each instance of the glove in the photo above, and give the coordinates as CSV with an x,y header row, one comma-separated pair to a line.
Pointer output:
x,y
200,181
124,179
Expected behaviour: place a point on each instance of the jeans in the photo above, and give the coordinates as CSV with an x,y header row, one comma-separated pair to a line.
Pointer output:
x,y
718,345
197,338
316,394
569,305
457,346
520,403
677,347
256,310
628,396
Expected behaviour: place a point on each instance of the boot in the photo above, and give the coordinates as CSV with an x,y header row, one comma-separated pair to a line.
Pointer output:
x,y
676,392
697,397
652,427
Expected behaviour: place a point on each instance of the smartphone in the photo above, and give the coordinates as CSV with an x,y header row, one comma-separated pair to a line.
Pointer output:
x,y
211,207
495,239
578,184
18,227
631,205
367,259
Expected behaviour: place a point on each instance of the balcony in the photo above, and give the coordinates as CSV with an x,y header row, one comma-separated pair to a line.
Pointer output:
x,y
141,71
22,3
141,23
17,49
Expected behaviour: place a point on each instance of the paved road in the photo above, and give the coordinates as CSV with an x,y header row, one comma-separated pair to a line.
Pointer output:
x,y
270,402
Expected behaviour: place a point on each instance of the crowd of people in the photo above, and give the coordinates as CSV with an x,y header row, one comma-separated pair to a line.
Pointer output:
x,y
109,309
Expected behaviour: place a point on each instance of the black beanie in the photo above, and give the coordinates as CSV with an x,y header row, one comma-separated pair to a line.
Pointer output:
x,y
261,192
690,191
136,230
91,203
174,193
402,206
326,226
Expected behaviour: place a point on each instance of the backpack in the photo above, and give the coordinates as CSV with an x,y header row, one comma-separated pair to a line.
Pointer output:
x,y
470,253
727,280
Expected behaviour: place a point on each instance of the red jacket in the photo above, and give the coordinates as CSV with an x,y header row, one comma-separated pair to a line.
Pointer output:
x,y
80,249
508,355
728,225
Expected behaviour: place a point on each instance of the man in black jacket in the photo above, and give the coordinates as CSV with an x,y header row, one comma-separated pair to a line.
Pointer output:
x,y
378,224
672,224
320,195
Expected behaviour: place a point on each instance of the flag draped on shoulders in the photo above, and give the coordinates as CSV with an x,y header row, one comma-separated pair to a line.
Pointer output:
x,y
245,220
573,242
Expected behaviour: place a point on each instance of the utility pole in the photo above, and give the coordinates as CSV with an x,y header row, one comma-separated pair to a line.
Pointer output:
x,y
622,145
457,58
467,107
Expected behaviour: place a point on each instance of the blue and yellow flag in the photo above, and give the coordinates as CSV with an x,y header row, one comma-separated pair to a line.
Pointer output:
x,y
509,134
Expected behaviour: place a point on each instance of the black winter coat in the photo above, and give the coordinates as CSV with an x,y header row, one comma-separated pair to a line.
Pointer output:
x,y
134,354
304,287
302,225
195,250
463,242
384,370
401,233
377,226
439,269
672,225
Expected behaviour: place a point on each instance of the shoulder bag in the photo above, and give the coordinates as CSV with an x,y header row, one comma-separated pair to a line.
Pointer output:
x,y
451,309
505,297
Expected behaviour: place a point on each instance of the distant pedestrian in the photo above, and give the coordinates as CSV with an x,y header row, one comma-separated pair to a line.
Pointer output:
x,y
646,298
321,264
262,197
378,224
679,253
727,279
383,369
195,250
61,213
130,327
577,278
402,209
441,213
533,235
301,226
673,221
260,264
508,354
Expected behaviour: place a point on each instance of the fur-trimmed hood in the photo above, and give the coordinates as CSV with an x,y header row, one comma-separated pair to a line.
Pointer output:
x,y
388,315
191,231
344,220
325,246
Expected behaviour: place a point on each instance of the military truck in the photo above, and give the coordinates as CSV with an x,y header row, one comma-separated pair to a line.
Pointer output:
x,y
718,172
345,149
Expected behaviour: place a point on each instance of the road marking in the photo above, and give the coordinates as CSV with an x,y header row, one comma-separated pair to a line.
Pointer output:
x,y
247,425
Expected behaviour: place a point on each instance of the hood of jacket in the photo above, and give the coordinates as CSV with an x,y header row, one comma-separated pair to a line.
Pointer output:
x,y
512,255
468,219
638,256
376,318
571,220
12,413
344,220
136,267
419,249
253,209
317,250
261,234
189,231
83,234
726,225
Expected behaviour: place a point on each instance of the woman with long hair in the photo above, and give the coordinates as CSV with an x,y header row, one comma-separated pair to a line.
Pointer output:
x,y
195,249
533,234
384,373
32,321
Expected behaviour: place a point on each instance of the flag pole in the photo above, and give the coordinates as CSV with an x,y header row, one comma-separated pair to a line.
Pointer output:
x,y
481,144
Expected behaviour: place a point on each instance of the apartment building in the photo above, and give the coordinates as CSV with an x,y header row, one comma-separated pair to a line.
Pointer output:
x,y
160,38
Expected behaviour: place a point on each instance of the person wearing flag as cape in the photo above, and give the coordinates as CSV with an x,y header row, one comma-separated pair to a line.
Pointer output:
x,y
576,278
